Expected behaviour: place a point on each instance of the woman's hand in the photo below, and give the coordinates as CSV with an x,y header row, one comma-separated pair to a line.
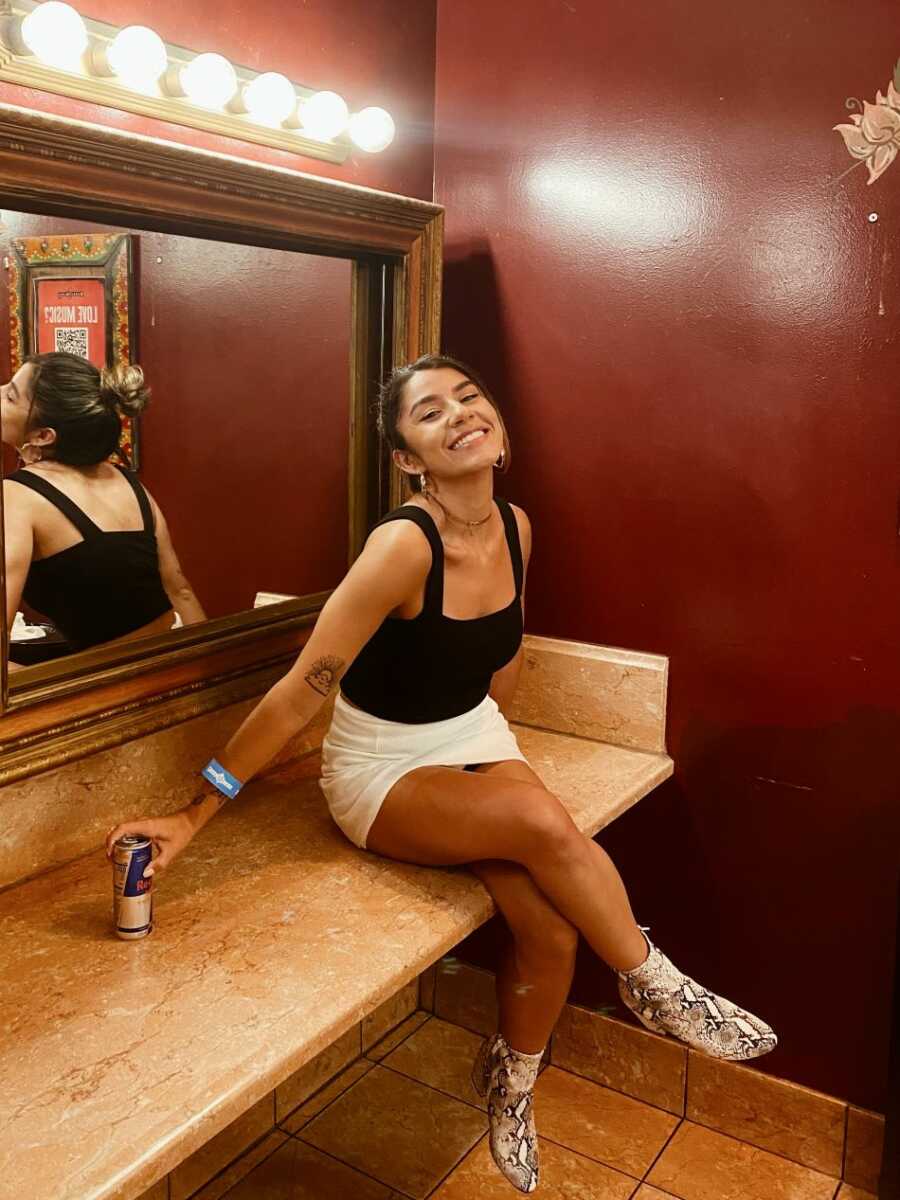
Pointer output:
x,y
169,835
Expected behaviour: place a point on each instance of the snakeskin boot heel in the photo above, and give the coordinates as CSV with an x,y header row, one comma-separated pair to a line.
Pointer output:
x,y
665,1000
507,1077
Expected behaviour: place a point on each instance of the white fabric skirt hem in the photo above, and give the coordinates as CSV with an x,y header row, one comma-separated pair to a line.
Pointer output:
x,y
363,756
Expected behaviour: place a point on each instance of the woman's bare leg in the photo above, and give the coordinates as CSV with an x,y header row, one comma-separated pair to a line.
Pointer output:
x,y
538,957
439,816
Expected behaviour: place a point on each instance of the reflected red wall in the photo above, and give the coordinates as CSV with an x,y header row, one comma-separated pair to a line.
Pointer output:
x,y
694,332
245,443
380,52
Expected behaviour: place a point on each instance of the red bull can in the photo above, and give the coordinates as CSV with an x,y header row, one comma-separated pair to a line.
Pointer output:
x,y
132,893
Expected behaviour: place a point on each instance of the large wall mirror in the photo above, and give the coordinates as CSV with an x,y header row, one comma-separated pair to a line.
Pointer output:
x,y
243,444
264,308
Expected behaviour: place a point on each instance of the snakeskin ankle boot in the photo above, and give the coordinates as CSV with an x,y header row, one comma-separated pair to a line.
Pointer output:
x,y
507,1077
667,1001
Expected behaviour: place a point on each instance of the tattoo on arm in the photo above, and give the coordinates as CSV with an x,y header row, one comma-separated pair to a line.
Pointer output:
x,y
323,675
206,793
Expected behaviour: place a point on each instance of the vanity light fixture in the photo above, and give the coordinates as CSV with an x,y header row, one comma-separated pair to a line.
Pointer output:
x,y
49,45
136,55
208,80
269,98
324,115
372,129
55,33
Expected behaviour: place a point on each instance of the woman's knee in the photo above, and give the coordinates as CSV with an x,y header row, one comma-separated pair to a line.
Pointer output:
x,y
545,829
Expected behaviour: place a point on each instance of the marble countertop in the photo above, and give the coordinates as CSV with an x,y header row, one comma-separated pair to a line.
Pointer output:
x,y
273,935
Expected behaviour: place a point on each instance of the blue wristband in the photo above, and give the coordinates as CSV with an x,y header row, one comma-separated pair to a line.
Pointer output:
x,y
220,778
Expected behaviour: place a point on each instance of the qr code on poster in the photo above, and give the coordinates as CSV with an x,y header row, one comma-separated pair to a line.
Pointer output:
x,y
72,341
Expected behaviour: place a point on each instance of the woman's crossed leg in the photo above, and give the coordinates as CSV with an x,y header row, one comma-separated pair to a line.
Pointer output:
x,y
439,816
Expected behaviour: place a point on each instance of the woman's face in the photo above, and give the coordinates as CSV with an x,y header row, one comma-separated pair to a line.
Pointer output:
x,y
15,406
438,409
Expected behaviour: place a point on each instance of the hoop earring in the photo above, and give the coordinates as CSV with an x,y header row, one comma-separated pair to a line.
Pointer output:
x,y
501,460
29,460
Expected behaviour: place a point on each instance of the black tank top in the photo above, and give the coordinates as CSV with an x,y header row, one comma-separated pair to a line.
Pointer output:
x,y
104,586
432,667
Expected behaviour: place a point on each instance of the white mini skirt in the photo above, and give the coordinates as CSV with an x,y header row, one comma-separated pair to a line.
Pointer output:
x,y
363,756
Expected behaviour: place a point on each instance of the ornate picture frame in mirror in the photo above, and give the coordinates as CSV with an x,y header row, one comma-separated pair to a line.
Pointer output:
x,y
75,292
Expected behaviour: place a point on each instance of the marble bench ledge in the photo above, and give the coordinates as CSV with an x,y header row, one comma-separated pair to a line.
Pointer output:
x,y
274,936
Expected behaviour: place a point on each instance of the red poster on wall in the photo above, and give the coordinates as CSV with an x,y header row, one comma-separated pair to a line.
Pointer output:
x,y
70,315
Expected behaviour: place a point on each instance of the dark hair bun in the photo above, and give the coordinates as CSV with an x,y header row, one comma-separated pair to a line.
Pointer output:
x,y
122,387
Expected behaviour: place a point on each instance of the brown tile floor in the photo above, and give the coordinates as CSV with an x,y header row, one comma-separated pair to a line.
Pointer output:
x,y
407,1123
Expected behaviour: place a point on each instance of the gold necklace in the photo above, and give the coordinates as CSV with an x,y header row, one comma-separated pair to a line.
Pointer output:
x,y
460,520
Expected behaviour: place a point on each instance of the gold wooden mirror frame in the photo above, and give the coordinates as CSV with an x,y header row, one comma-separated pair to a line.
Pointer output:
x,y
66,168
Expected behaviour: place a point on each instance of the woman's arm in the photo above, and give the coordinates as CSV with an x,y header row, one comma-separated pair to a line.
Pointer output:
x,y
174,580
18,541
392,567
504,682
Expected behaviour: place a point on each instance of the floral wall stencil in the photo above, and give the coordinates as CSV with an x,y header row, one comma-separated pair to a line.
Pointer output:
x,y
874,136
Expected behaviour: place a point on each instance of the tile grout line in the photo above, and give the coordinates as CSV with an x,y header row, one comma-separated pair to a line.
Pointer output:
x,y
440,1183
611,1088
421,1025
684,1090
662,1151
234,1161
298,1135
762,1150
432,1088
350,1166
361,1057
602,1162
324,1087
683,1116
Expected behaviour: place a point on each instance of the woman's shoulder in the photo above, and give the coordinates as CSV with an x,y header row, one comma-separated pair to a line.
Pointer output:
x,y
401,530
17,490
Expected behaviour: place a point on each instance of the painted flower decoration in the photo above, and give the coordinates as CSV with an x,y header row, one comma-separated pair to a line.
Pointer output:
x,y
874,135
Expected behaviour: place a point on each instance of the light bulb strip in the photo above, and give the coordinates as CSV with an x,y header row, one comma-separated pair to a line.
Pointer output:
x,y
19,66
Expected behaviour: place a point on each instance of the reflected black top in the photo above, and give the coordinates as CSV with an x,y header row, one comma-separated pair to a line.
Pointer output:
x,y
104,586
432,667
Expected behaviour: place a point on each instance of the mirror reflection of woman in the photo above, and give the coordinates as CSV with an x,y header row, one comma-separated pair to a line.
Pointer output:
x,y
420,765
85,543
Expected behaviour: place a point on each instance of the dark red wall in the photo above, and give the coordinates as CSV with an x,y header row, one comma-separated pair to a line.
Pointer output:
x,y
380,52
694,333
247,353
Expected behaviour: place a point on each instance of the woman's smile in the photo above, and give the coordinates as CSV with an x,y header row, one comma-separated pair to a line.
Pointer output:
x,y
472,438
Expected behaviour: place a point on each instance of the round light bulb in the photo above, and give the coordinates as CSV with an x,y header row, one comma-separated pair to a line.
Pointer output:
x,y
138,56
324,115
270,98
209,80
55,33
372,129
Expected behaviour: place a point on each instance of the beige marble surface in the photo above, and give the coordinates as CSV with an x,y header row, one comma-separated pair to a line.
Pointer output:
x,y
600,692
274,935
53,818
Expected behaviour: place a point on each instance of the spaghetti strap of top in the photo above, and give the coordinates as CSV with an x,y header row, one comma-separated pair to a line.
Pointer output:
x,y
434,586
141,496
512,540
70,509
60,500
